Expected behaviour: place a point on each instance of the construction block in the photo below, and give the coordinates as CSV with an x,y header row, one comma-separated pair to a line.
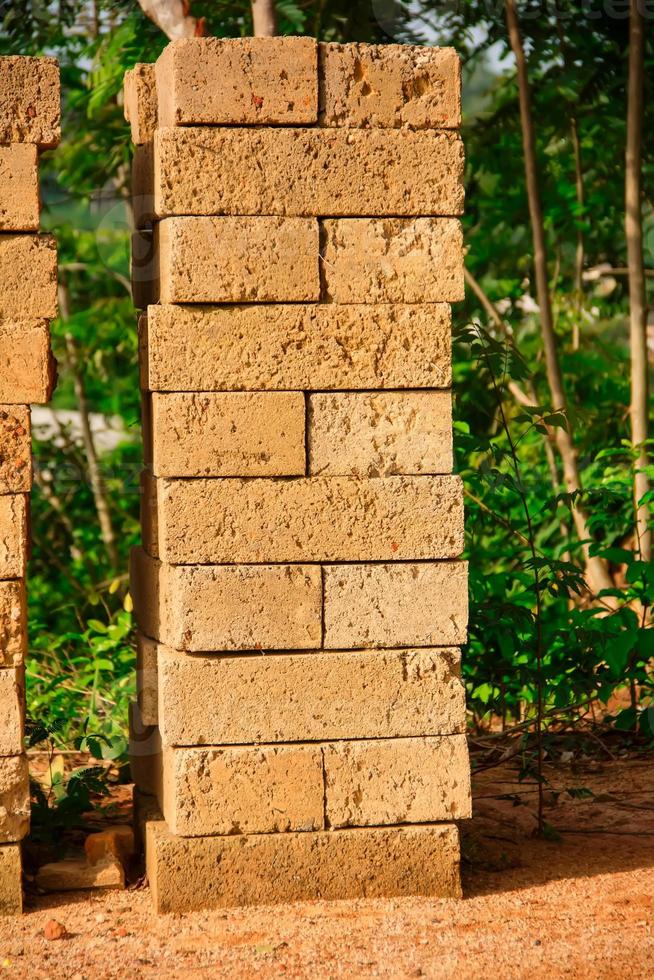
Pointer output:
x,y
147,687
15,449
309,172
391,260
397,781
12,691
13,623
305,697
375,433
243,790
228,607
316,519
389,85
28,276
140,102
13,535
14,798
187,874
397,605
238,81
226,434
30,109
145,753
19,188
295,346
29,369
11,873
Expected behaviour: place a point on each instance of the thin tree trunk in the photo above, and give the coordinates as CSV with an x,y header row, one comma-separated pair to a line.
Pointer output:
x,y
597,572
579,252
637,300
264,18
95,474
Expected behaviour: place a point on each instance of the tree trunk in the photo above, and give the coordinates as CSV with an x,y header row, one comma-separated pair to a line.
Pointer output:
x,y
264,18
596,570
172,17
637,300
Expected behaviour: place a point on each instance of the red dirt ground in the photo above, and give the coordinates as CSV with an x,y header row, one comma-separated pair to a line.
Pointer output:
x,y
581,906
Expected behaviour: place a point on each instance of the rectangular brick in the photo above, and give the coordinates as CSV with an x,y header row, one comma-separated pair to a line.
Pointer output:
x,y
13,535
19,188
375,433
243,790
236,260
11,880
15,449
145,753
389,85
299,172
296,697
310,347
227,434
13,623
29,371
399,780
317,519
30,101
228,607
238,81
28,276
140,102
397,605
12,692
14,798
328,865
147,685
392,260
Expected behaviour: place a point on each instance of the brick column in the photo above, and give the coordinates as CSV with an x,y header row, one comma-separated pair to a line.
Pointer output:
x,y
301,717
29,121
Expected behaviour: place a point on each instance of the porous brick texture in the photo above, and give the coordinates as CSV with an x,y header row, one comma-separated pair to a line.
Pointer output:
x,y
299,730
29,121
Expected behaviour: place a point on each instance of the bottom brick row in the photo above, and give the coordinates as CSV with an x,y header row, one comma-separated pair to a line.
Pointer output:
x,y
187,874
11,888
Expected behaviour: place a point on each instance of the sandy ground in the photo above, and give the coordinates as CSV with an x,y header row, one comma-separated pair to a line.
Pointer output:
x,y
581,906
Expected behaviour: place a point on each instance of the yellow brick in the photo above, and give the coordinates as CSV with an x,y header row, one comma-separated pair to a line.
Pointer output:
x,y
11,880
12,693
13,623
15,449
140,89
29,369
13,535
14,798
29,101
28,276
19,188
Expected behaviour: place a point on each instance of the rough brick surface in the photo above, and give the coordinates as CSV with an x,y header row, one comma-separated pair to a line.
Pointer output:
x,y
389,85
309,697
227,434
19,188
13,535
235,790
400,780
11,878
228,607
397,605
251,81
147,687
15,449
366,863
392,260
236,260
316,519
28,276
29,369
373,433
12,690
301,172
140,104
13,623
295,346
29,101
14,798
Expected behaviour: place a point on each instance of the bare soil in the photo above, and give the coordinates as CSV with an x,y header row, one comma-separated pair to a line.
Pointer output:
x,y
581,905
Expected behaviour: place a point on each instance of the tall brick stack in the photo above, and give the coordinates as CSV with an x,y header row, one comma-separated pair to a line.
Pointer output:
x,y
301,715
29,121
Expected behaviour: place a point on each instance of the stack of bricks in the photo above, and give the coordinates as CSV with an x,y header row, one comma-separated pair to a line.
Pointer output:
x,y
301,714
29,122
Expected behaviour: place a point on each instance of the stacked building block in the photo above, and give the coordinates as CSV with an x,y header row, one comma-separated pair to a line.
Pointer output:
x,y
300,726
29,122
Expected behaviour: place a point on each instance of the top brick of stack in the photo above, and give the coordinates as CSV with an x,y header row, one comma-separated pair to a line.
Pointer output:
x,y
30,101
291,81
